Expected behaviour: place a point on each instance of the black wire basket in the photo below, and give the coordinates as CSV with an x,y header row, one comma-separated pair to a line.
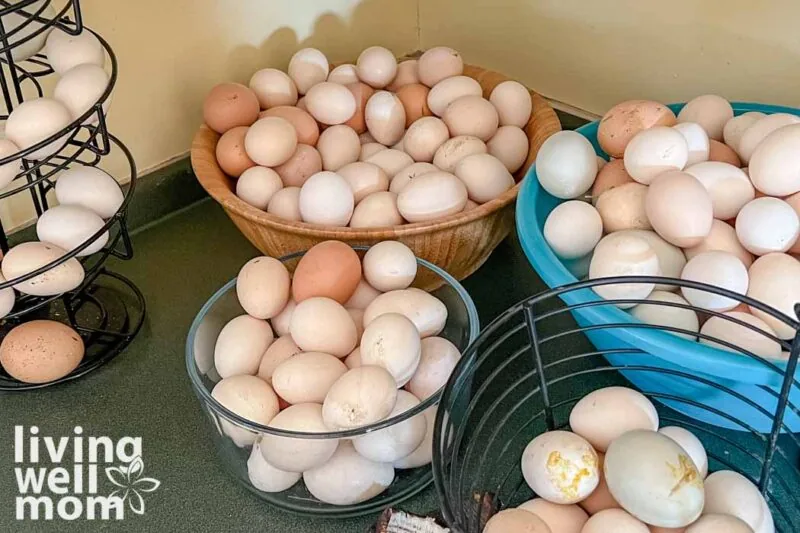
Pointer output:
x,y
107,309
530,366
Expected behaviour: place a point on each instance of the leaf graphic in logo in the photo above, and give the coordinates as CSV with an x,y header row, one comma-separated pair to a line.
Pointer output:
x,y
132,484
117,475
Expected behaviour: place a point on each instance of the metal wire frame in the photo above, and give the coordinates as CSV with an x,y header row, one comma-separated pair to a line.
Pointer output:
x,y
521,378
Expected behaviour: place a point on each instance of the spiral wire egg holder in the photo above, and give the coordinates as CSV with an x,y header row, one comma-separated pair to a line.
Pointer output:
x,y
529,367
107,309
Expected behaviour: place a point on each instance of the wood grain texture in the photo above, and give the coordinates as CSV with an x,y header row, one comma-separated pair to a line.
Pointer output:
x,y
458,243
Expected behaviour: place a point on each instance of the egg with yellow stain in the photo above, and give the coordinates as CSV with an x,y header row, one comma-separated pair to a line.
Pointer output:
x,y
654,479
561,467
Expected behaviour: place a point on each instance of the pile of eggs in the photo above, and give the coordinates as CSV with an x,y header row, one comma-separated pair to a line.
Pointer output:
x,y
677,201
617,471
369,145
355,345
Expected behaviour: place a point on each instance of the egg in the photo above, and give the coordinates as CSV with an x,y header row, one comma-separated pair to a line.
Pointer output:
x,y
331,103
376,210
623,208
250,398
34,121
270,141
321,324
513,103
696,140
663,315
262,287
29,35
455,149
723,238
424,137
266,477
69,226
626,119
354,359
775,281
281,350
392,341
516,520
485,177
362,93
338,146
406,75
273,88
91,188
399,144
389,265
293,454
566,165
603,415
573,229
691,445
304,163
81,87
438,359
623,255
423,454
671,259
65,51
40,351
308,68
376,66
600,499
432,195
385,117
285,204
397,441
407,175
358,319
561,518
10,170
717,268
471,115
370,149
710,111
438,63
331,269
448,90
735,127
560,467
772,160
655,151
343,74
729,187
760,130
229,105
611,175
794,202
363,396
307,377
426,311
391,161
364,178
654,479
742,337
7,298
766,225
719,523
680,208
723,153
327,199
615,520
365,479
510,146
363,296
304,124
281,321
730,493
27,257
257,185
240,346
231,154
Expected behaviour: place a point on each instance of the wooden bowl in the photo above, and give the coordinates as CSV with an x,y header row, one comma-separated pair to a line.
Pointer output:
x,y
459,243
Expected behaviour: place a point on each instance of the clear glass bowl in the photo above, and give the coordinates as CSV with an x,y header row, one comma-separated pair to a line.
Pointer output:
x,y
461,329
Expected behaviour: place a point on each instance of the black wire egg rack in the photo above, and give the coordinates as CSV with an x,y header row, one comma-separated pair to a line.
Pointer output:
x,y
530,366
107,309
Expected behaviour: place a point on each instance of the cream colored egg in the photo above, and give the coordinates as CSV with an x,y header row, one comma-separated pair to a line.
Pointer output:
x,y
663,315
431,196
509,145
29,35
573,229
364,178
471,115
615,520
27,257
385,117
363,296
391,161
392,342
719,269
696,140
756,133
307,377
735,128
377,210
455,149
623,255
730,493
426,311
271,141
407,175
742,337
719,523
603,415
7,298
257,185
406,75
241,345
282,349
262,287
389,266
285,204
516,521
34,121
679,208
358,319
794,202
266,477
344,74
376,66
363,396
623,208
273,88
80,88
513,103
654,479
691,444
297,454
281,321
89,187
366,138
671,259
423,454
600,499
448,90
397,441
10,170
326,198
729,187
308,68
775,281
561,518
348,478
354,359
424,137
69,226
560,467
330,103
323,325
566,165
65,51
438,359
772,162
712,112
370,149
338,146
723,238
655,151
438,63
248,397
766,225
485,177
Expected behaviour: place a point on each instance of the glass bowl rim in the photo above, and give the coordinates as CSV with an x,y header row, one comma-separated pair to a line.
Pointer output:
x,y
205,395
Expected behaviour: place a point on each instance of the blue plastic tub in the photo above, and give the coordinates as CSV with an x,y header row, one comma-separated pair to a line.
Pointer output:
x,y
661,349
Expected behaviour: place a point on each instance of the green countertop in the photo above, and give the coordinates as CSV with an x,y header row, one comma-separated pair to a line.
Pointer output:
x,y
179,262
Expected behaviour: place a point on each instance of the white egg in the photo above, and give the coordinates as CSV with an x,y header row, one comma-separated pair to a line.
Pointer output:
x,y
772,162
755,134
573,229
615,520
438,359
326,198
731,493
348,478
10,170
91,188
729,187
423,455
273,88
308,67
719,523
266,477
392,342
27,257
65,51
33,121
19,25
425,310
566,164
343,74
240,346
389,266
80,88
249,397
671,259
664,315
735,128
691,445
654,151
766,225
294,454
696,140
69,226
397,441
364,395
7,298
719,269
257,185
740,336
624,255
722,237
560,467
775,281
307,377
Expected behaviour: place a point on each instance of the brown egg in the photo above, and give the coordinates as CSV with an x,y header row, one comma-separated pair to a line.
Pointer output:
x,y
41,351
377,210
304,124
471,115
722,152
331,269
361,92
438,63
406,75
679,208
364,178
613,174
623,121
414,97
301,104
338,146
509,145
231,155
370,149
271,141
285,204
229,105
424,137
305,162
